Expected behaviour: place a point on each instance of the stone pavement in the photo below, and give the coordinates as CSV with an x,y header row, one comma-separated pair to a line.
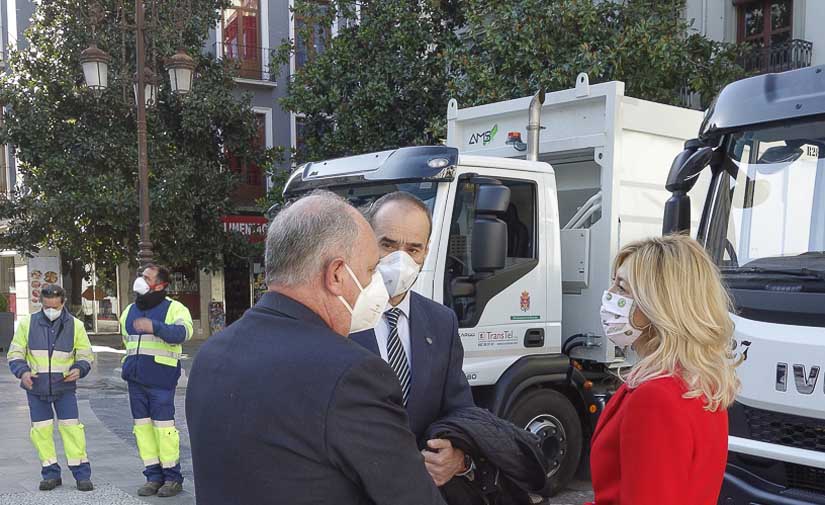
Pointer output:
x,y
116,467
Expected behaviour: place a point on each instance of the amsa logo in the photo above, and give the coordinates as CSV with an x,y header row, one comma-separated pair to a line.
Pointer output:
x,y
484,137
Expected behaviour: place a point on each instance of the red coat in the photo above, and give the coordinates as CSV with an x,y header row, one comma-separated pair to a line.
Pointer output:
x,y
653,447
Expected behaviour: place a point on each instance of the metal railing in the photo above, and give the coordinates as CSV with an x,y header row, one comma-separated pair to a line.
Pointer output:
x,y
252,61
780,57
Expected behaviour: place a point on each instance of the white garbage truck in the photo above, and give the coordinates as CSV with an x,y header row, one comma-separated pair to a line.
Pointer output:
x,y
763,222
523,237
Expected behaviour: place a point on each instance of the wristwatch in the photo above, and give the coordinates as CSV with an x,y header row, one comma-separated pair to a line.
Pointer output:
x,y
470,466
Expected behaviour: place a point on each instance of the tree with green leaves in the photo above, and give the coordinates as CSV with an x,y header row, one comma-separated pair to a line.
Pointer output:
x,y
385,81
77,151
511,49
379,83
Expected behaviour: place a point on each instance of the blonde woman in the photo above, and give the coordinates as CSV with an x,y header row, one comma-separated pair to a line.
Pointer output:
x,y
663,437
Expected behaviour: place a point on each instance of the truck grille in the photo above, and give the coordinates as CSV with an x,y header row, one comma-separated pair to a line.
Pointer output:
x,y
786,429
806,478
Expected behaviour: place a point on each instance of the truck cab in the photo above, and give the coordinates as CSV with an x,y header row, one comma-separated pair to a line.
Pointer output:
x,y
494,259
763,223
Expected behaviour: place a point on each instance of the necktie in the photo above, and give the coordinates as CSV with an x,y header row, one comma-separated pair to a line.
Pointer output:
x,y
396,356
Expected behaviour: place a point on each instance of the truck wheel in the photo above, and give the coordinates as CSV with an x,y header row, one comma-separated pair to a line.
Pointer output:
x,y
550,415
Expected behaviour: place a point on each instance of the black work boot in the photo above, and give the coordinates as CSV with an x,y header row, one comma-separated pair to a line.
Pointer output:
x,y
170,488
49,484
150,488
85,485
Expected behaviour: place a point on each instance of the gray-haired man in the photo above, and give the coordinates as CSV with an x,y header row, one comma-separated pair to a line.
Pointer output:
x,y
282,405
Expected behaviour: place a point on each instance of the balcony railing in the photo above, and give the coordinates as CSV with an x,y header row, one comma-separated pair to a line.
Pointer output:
x,y
253,62
780,57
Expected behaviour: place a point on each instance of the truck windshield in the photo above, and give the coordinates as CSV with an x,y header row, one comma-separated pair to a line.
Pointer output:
x,y
768,213
362,196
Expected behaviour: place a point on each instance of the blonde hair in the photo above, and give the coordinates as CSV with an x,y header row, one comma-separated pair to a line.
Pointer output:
x,y
679,289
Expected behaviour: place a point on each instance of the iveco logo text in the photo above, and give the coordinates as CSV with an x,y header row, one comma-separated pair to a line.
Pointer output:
x,y
484,137
805,382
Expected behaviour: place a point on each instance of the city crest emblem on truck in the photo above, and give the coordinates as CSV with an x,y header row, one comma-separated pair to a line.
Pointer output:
x,y
525,301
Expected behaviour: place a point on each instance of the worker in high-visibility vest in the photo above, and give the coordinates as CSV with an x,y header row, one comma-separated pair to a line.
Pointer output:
x,y
153,329
49,353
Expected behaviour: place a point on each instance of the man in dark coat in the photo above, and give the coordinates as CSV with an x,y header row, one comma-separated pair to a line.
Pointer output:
x,y
282,406
417,336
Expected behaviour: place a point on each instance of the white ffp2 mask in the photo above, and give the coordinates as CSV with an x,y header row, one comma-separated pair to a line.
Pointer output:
x,y
52,314
615,314
399,271
370,304
140,286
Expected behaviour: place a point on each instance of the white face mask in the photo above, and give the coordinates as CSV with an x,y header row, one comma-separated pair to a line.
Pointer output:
x,y
399,271
52,314
615,313
370,304
140,286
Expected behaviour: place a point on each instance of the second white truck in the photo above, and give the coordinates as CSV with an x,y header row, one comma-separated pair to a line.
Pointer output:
x,y
763,143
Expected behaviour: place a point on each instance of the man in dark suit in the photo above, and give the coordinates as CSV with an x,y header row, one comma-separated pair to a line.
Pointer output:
x,y
416,336
282,407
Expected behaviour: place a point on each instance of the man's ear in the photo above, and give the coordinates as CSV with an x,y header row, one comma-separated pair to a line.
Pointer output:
x,y
335,275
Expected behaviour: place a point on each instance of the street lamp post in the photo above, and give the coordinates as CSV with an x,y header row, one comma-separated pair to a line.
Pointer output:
x,y
181,68
145,245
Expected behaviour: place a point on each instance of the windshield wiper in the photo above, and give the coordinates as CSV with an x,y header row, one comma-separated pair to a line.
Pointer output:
x,y
794,272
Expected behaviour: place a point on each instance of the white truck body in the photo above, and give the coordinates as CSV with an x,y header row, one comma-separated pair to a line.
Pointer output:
x,y
595,139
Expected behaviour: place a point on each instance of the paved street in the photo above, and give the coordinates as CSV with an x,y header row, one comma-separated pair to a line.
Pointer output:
x,y
116,468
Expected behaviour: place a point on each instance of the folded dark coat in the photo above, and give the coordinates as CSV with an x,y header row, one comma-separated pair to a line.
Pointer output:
x,y
509,461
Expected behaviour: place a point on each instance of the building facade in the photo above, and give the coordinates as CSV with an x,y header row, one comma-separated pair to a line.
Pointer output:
x,y
783,34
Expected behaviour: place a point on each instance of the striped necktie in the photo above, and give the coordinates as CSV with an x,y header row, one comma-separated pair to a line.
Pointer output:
x,y
396,356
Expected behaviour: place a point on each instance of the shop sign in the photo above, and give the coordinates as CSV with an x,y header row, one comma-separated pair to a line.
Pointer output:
x,y
43,272
251,227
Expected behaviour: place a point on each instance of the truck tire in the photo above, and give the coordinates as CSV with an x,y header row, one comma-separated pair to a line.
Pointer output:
x,y
551,416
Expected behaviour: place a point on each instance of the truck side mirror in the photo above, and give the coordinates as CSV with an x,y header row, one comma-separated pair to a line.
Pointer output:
x,y
684,172
489,242
686,167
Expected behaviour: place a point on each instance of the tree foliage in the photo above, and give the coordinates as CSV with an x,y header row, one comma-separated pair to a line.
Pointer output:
x,y
77,152
511,49
379,84
384,82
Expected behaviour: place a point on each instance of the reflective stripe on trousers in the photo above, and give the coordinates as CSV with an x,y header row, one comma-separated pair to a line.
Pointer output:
x,y
74,441
41,436
147,443
158,442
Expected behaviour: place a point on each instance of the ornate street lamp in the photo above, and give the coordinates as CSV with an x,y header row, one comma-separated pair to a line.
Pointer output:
x,y
95,63
181,68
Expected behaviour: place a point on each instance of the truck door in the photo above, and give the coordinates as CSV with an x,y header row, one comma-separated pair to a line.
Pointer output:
x,y
501,313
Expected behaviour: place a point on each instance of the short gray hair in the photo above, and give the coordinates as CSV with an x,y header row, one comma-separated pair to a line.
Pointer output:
x,y
306,235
